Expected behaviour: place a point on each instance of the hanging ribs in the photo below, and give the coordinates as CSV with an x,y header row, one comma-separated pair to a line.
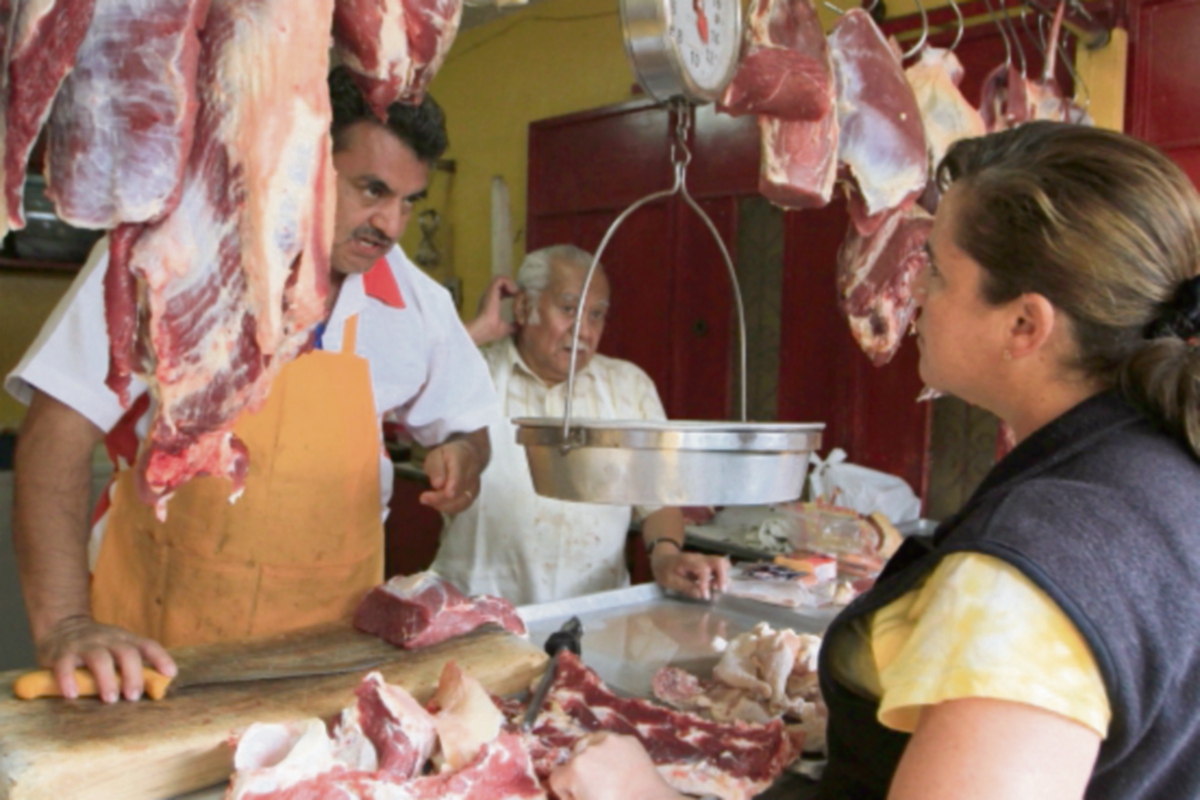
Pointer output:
x,y
42,43
231,281
121,127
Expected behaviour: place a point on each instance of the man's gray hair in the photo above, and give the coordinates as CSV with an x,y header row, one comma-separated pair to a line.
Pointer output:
x,y
534,275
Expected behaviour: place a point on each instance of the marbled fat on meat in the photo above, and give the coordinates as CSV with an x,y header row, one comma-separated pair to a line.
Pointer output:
x,y
121,126
875,278
423,609
784,70
882,142
697,756
42,43
394,47
232,281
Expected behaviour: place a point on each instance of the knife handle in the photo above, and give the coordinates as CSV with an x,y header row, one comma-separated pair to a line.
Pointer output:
x,y
41,683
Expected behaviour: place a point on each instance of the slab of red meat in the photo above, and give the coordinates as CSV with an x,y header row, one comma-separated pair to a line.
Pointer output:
x,y
1004,100
386,730
121,127
419,610
734,761
875,277
784,70
43,40
233,279
799,161
947,116
395,47
881,141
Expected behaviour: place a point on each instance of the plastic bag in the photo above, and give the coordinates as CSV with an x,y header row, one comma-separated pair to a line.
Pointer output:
x,y
865,490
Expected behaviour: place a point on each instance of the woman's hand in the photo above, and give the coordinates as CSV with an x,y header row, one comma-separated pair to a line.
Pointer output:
x,y
607,766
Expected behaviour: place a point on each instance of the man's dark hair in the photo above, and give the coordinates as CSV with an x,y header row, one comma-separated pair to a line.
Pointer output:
x,y
422,128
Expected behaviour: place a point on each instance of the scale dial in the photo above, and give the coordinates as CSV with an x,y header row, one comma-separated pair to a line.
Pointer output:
x,y
685,48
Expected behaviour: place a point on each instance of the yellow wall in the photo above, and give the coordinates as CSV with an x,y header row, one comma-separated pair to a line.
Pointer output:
x,y
553,58
26,299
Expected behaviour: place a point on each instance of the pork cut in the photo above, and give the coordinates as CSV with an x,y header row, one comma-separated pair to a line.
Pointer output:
x,y
784,70
423,609
881,140
385,731
121,126
946,115
797,126
697,756
394,47
1004,101
43,38
875,280
231,282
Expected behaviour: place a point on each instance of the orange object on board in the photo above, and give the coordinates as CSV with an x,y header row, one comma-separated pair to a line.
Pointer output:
x,y
301,545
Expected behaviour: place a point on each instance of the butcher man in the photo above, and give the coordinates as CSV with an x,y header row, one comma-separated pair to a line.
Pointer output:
x,y
532,549
305,539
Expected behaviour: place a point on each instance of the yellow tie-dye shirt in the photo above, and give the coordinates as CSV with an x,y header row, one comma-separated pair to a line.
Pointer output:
x,y
977,627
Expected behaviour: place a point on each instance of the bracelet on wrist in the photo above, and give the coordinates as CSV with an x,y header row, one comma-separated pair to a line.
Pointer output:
x,y
656,542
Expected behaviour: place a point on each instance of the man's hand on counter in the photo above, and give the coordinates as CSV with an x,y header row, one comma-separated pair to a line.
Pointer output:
x,y
453,469
697,575
113,655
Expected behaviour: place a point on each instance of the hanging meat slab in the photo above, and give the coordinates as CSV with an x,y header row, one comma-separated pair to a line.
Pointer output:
x,y
875,280
784,70
947,116
121,126
1046,97
1005,101
394,47
799,161
42,43
881,140
230,283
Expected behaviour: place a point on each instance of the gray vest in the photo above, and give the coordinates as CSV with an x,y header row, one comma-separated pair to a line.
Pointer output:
x,y
1102,511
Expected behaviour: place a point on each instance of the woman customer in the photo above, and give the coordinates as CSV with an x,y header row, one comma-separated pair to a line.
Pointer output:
x,y
1047,644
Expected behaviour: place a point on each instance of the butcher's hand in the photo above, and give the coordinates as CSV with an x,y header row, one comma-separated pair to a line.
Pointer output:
x,y
695,574
608,766
489,324
454,469
113,655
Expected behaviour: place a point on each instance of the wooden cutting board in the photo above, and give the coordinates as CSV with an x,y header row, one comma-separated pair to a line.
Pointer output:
x,y
85,750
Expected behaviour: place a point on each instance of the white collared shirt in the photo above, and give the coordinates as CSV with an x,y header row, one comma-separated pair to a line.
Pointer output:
x,y
423,365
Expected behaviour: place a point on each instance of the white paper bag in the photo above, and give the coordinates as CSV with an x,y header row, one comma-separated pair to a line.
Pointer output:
x,y
865,490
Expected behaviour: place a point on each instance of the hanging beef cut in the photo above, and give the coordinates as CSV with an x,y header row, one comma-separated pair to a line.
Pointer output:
x,y
947,116
875,279
882,142
121,126
394,47
42,37
230,283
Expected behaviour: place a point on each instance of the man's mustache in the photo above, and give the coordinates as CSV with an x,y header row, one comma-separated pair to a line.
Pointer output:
x,y
372,235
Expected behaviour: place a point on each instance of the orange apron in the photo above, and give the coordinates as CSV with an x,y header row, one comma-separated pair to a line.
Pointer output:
x,y
299,547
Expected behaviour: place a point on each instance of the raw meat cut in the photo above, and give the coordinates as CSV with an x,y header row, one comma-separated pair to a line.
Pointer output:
x,y
881,142
784,70
420,610
394,47
875,277
465,717
232,281
799,161
43,40
696,756
796,123
121,126
947,116
1004,101
386,730
7,17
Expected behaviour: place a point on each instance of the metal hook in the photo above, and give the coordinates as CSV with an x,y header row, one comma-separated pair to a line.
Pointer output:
x,y
1039,41
1076,78
916,48
962,25
683,121
1003,33
1012,29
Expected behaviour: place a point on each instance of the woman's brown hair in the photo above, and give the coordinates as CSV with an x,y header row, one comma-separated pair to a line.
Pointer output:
x,y
1107,229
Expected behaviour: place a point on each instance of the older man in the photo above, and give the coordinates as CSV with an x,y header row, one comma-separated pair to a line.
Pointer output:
x,y
529,548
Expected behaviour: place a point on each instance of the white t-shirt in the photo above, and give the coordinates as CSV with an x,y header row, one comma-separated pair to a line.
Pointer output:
x,y
424,367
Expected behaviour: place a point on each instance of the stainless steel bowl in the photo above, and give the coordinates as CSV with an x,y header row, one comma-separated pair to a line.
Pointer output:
x,y
673,463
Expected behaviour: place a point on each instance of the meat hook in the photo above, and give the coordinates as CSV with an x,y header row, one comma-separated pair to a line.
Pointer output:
x,y
916,48
1003,33
962,25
